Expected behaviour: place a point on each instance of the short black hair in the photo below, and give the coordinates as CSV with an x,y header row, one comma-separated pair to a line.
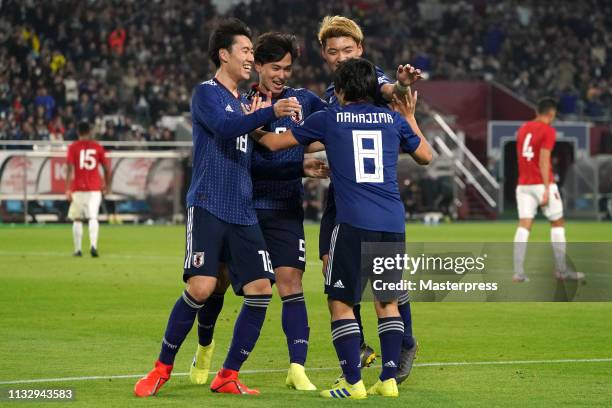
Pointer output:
x,y
83,128
273,46
545,105
223,35
357,78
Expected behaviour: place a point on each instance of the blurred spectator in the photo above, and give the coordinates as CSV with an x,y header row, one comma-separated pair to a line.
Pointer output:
x,y
593,106
568,102
141,59
45,101
411,197
84,108
56,129
116,40
71,89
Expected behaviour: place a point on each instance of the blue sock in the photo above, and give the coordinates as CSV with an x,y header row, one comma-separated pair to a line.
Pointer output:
x,y
179,324
246,330
295,326
345,335
207,317
390,331
403,305
357,313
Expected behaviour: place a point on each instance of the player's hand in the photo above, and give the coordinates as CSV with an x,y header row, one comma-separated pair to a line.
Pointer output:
x,y
257,103
316,168
287,107
407,75
69,195
544,201
406,105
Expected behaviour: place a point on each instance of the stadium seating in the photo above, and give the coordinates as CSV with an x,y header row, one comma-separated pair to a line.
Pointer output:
x,y
139,61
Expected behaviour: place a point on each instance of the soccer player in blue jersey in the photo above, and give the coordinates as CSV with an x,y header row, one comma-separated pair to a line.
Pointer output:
x,y
362,142
279,209
221,221
279,202
340,39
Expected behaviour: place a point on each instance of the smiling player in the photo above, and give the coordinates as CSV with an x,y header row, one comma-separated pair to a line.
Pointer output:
x,y
341,39
278,200
362,142
221,221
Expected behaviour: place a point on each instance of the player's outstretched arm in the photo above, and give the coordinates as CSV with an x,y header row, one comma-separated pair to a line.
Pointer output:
x,y
315,168
406,75
422,155
406,106
282,107
263,169
275,141
207,110
315,147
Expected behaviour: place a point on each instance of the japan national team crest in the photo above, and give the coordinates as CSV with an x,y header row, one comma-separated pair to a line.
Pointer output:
x,y
198,259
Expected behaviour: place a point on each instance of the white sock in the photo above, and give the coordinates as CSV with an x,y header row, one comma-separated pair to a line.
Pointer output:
x,y
94,226
557,238
521,237
77,235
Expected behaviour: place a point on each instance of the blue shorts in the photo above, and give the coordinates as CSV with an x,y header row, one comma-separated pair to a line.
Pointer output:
x,y
328,222
344,278
211,241
283,231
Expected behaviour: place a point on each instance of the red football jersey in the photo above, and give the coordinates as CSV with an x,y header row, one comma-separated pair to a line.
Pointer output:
x,y
85,156
532,137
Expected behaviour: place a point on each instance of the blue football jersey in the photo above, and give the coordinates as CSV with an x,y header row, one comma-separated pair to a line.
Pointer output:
x,y
331,99
269,194
221,177
362,142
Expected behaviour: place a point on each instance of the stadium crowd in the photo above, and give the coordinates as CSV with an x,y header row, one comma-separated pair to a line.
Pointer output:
x,y
124,64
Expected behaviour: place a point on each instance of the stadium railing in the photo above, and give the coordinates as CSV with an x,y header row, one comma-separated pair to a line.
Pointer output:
x,y
588,188
474,181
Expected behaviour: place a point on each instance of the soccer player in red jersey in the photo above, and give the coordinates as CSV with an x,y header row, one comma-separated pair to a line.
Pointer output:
x,y
537,188
84,186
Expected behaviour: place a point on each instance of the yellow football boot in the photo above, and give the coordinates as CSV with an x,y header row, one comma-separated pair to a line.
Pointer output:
x,y
387,388
198,371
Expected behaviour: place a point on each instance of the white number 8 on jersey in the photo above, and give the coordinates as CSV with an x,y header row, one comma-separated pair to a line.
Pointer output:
x,y
373,152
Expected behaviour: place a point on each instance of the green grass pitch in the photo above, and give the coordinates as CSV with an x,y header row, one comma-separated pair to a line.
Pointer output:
x,y
63,317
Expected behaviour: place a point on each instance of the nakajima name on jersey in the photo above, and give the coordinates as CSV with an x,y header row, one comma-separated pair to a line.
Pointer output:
x,y
370,117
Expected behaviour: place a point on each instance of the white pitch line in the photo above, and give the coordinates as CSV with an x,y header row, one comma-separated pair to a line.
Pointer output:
x,y
269,371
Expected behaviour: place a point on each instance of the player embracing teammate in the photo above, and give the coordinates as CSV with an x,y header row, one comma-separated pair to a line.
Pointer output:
x,y
221,220
233,220
362,142
341,39
277,198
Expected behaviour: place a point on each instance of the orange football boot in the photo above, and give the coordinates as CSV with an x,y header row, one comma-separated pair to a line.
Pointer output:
x,y
151,383
227,382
